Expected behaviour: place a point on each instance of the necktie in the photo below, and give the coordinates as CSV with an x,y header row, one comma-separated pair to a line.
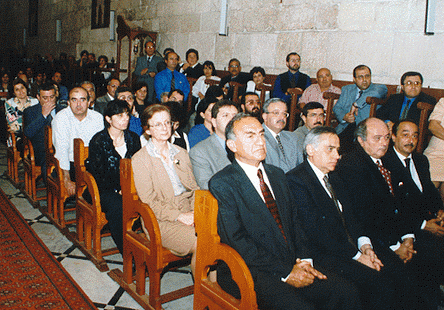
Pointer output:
x,y
270,202
281,147
335,200
405,111
407,165
359,94
149,59
173,82
386,175
49,118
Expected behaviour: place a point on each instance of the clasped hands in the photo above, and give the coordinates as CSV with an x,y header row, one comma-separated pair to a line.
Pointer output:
x,y
368,257
435,226
406,250
303,274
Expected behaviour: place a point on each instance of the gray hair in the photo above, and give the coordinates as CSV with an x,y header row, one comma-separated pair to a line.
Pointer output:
x,y
89,83
313,137
361,129
229,130
270,101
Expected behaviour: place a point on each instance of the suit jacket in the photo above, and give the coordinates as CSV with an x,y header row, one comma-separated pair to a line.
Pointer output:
x,y
142,63
348,97
195,72
319,216
391,110
34,129
207,158
101,104
293,155
241,78
375,207
245,223
154,187
414,205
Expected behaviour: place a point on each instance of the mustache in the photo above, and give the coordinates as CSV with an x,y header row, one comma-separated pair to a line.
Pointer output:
x,y
318,123
410,144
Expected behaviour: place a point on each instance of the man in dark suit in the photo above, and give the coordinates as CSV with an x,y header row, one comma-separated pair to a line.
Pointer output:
x,y
36,117
102,102
146,68
192,68
405,105
325,209
235,68
255,218
419,202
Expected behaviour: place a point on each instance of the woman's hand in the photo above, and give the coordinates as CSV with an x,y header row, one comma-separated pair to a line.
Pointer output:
x,y
186,218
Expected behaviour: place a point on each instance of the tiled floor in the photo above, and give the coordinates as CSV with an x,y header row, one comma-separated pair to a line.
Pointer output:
x,y
100,288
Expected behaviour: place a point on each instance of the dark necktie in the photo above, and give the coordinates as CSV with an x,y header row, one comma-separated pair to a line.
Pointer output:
x,y
281,147
386,175
359,94
173,82
149,59
335,200
407,165
270,202
49,118
405,111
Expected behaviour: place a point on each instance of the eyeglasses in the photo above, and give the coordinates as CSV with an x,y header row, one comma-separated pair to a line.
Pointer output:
x,y
234,66
161,125
410,83
277,113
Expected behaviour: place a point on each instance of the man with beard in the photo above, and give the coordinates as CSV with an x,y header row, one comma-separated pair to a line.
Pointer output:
x,y
290,79
251,104
282,149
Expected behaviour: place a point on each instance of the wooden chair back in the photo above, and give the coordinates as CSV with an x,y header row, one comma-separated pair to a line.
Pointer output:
x,y
424,134
374,102
190,107
13,158
263,88
32,173
89,215
211,82
331,97
147,254
55,187
295,110
236,86
208,294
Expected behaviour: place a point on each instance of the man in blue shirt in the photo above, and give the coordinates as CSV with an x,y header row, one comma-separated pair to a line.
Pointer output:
x,y
290,79
404,105
170,79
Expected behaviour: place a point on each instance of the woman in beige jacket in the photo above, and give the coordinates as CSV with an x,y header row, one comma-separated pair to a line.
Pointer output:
x,y
164,180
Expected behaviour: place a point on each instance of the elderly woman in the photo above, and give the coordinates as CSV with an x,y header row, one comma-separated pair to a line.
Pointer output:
x,y
106,149
435,150
164,180
14,108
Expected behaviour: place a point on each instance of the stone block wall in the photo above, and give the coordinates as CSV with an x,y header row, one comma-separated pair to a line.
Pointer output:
x,y
387,35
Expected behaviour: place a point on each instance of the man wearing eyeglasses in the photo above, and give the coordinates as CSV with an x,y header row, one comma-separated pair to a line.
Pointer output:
x,y
404,105
282,150
235,68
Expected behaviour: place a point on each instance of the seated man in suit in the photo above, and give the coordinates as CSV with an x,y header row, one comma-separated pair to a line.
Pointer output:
x,y
419,201
313,115
374,189
209,156
192,68
36,117
282,148
293,78
251,104
352,107
325,209
235,68
405,105
146,68
102,102
256,219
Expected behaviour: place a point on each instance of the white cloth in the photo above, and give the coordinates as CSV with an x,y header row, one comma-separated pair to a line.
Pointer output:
x,y
201,87
251,87
66,127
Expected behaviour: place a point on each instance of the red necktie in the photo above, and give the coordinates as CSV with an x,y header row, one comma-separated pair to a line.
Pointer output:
x,y
386,174
270,202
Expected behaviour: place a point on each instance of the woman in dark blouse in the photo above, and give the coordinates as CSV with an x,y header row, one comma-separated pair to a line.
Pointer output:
x,y
106,149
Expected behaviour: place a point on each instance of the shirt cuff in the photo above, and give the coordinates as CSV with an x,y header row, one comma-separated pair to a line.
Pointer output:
x,y
408,236
364,240
395,246
423,225
357,256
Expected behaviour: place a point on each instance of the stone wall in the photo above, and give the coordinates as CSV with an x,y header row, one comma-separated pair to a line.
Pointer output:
x,y
387,35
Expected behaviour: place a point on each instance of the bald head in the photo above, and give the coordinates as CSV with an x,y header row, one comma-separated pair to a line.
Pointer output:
x,y
324,78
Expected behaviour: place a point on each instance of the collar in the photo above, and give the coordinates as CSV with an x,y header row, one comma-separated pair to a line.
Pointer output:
x,y
400,156
271,131
319,174
152,150
251,171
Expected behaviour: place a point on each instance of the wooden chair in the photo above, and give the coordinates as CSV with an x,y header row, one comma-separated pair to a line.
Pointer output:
x,y
331,97
295,111
211,82
55,188
263,89
426,109
32,174
145,253
236,86
14,159
190,107
374,102
90,218
207,294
